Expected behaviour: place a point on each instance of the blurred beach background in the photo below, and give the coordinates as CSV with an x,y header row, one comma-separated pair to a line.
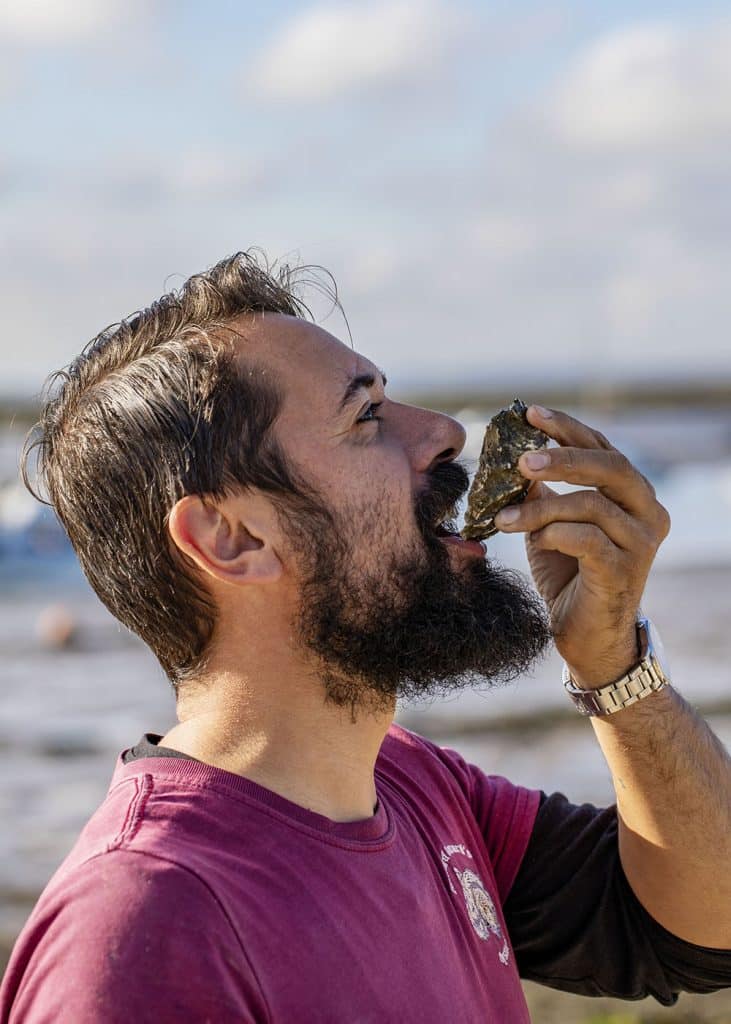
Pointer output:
x,y
522,198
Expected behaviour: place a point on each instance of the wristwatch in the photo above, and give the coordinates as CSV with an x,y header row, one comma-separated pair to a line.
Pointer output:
x,y
648,676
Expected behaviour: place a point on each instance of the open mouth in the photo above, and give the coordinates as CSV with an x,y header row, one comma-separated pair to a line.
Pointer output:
x,y
444,521
448,534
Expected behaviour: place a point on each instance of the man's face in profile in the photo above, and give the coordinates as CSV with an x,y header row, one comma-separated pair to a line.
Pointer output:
x,y
387,606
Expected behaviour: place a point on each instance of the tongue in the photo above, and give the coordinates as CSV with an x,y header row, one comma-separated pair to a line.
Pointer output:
x,y
473,546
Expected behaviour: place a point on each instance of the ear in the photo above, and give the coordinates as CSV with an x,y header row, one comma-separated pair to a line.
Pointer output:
x,y
229,540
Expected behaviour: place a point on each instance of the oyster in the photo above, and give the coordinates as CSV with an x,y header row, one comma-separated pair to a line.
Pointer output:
x,y
498,481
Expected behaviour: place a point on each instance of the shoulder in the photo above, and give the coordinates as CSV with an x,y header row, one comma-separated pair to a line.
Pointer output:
x,y
503,813
402,744
406,753
404,748
127,926
120,898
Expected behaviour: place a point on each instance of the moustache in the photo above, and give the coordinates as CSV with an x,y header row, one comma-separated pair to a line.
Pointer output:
x,y
437,504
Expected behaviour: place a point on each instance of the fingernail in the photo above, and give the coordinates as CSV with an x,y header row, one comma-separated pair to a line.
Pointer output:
x,y
507,516
545,414
536,460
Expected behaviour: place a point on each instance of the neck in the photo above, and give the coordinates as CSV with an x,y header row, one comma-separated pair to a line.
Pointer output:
x,y
283,736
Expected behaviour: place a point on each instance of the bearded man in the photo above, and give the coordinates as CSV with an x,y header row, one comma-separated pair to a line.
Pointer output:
x,y
242,494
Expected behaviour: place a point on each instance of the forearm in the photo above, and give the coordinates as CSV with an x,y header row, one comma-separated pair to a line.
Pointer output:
x,y
672,778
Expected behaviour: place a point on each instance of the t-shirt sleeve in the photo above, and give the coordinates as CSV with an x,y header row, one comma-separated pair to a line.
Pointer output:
x,y
130,936
505,814
575,924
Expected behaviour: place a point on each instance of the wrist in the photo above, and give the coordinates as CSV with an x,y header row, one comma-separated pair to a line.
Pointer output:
x,y
609,669
646,674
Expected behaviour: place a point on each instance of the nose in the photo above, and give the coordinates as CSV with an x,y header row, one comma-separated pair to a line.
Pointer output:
x,y
434,438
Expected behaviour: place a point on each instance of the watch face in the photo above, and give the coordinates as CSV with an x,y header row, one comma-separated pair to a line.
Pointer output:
x,y
656,651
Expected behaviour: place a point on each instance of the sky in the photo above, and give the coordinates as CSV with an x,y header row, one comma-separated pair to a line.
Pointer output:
x,y
501,191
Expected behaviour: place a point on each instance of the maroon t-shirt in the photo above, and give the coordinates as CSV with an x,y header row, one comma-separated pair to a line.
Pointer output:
x,y
194,894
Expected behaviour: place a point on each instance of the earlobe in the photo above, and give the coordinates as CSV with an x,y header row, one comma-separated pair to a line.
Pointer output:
x,y
221,543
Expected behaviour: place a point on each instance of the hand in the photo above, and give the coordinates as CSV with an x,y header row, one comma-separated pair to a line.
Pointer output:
x,y
589,552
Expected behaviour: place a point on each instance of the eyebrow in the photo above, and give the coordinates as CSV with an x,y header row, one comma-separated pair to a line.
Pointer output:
x,y
363,380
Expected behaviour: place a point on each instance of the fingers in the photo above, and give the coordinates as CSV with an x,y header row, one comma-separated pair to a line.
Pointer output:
x,y
590,550
609,470
565,429
582,541
587,458
589,507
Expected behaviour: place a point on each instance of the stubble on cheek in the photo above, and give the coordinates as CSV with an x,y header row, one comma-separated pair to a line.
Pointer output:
x,y
380,537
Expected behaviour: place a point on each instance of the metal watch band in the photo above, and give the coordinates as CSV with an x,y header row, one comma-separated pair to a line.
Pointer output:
x,y
640,682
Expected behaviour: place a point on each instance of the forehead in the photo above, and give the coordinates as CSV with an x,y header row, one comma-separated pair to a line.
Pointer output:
x,y
304,358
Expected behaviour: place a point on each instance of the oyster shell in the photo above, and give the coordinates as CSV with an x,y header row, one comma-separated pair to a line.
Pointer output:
x,y
498,482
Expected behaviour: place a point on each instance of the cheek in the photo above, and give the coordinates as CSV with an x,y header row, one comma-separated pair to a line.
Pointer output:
x,y
379,518
372,493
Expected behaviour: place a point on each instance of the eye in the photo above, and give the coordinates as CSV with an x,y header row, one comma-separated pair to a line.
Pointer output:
x,y
370,415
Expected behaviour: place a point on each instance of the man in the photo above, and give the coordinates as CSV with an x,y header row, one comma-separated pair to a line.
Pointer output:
x,y
243,494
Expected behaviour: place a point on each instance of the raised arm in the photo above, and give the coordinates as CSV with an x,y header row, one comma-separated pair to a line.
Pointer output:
x,y
590,553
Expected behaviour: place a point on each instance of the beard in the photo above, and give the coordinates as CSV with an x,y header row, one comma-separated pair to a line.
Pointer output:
x,y
383,624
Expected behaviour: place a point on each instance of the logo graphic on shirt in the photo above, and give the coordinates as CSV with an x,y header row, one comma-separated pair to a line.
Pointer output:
x,y
480,907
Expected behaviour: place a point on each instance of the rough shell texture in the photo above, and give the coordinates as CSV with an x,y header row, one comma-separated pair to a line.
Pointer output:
x,y
498,482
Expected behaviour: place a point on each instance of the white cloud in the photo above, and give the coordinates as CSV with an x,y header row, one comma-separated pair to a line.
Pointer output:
x,y
205,174
340,48
594,236
648,85
591,234
58,21
511,234
121,180
373,267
